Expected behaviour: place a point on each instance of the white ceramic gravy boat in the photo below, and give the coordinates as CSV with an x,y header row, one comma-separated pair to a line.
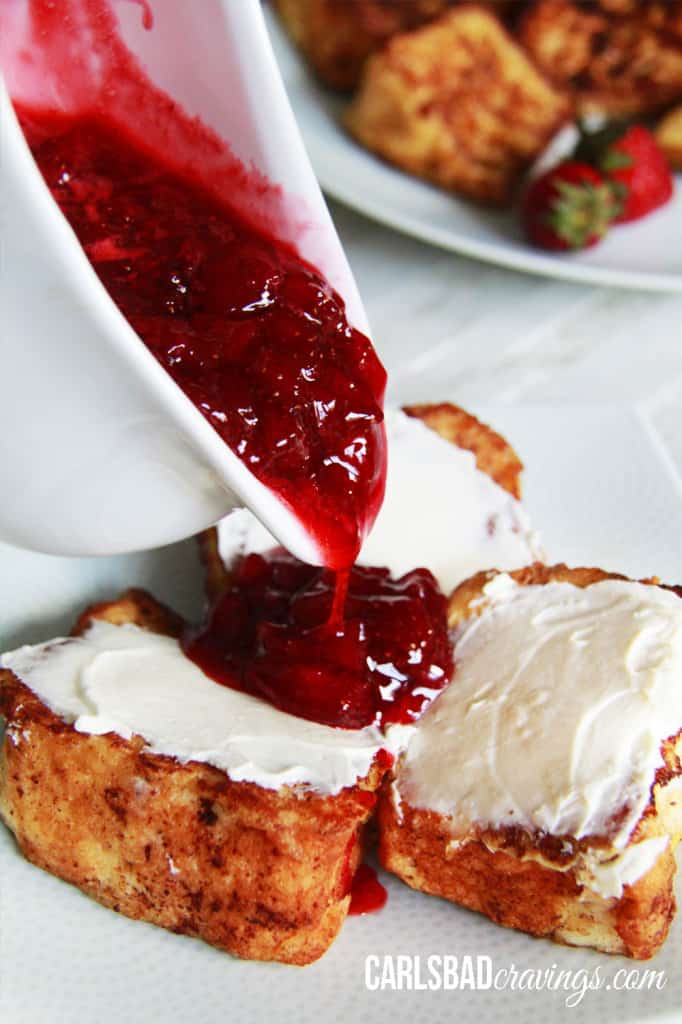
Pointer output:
x,y
100,452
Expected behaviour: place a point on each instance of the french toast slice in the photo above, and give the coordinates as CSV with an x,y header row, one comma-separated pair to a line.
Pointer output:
x,y
527,880
261,873
459,103
618,57
669,137
494,456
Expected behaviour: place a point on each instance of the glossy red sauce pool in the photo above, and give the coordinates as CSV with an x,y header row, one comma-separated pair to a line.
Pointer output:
x,y
253,335
367,894
279,632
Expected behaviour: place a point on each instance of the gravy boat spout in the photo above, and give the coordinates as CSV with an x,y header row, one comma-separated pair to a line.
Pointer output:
x,y
101,452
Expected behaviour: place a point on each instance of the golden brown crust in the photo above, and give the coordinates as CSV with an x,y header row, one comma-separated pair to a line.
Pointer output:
x,y
457,102
134,606
618,57
527,881
262,874
494,455
461,602
217,577
525,894
669,137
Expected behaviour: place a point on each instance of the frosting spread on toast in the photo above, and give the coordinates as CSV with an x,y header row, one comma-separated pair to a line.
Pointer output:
x,y
130,681
561,699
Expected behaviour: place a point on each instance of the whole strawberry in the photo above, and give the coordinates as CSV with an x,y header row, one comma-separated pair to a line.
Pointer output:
x,y
569,207
632,161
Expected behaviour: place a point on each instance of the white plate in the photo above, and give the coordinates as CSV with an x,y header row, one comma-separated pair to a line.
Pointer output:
x,y
647,254
601,492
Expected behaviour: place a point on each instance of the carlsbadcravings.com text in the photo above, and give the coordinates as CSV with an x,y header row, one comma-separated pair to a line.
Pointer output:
x,y
404,972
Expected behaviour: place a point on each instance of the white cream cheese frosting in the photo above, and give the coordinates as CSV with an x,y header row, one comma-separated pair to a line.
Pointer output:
x,y
560,701
440,512
130,681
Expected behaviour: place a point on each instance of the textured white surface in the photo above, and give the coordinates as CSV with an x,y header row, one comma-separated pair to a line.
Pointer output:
x,y
451,327
448,327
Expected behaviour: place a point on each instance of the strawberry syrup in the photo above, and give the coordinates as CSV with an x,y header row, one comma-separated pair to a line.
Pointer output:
x,y
283,631
253,335
367,894
185,240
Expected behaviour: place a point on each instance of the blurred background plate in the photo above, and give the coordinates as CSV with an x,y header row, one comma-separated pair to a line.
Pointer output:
x,y
645,254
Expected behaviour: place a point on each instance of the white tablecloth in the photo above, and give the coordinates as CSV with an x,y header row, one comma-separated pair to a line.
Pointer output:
x,y
450,328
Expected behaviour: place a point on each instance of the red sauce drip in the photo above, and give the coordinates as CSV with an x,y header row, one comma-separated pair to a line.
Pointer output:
x,y
367,893
338,609
276,633
147,14
253,335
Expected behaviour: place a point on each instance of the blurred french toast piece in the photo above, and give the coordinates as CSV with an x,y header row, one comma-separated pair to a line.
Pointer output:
x,y
669,137
542,787
337,36
662,15
261,871
457,102
618,57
